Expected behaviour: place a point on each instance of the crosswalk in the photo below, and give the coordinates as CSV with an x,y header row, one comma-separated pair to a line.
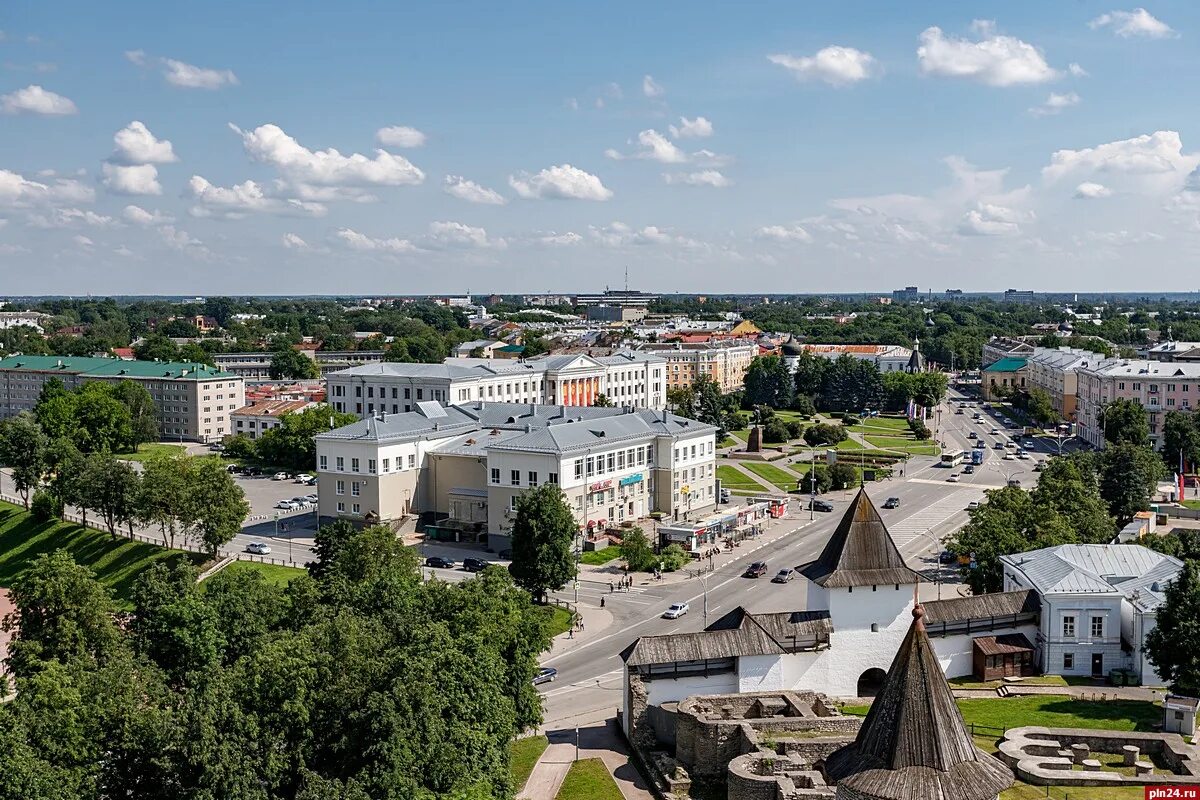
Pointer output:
x,y
590,593
915,525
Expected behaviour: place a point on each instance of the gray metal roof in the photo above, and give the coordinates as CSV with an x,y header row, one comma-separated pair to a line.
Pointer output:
x,y
1131,570
860,552
913,744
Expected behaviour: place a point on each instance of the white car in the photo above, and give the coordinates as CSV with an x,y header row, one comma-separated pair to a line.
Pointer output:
x,y
287,505
953,478
1022,454
280,476
1009,457
312,498
675,611
971,506
258,548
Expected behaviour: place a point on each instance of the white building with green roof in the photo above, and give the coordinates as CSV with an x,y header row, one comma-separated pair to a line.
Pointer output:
x,y
194,401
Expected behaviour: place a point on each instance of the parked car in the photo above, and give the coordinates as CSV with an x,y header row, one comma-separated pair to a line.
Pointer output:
x,y
820,505
280,476
312,498
675,611
233,469
892,502
302,478
969,469
301,501
287,505
784,575
756,570
252,472
216,447
1014,483
545,675
258,548
475,564
1039,466
439,562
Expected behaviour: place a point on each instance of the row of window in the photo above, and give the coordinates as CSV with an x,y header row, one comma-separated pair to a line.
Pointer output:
x,y
618,461
339,464
354,509
705,448
514,477
1068,627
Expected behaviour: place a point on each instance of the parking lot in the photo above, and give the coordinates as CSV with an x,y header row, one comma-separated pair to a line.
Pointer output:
x,y
263,493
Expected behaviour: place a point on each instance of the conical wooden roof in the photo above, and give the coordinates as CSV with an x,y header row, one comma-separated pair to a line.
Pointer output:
x,y
860,552
913,744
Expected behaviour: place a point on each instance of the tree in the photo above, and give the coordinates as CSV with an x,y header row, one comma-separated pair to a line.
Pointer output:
x,y
681,400
23,449
216,505
194,353
636,550
1174,644
769,382
1124,422
1129,477
602,401
542,534
172,625
163,496
1181,439
156,347
1040,408
803,405
143,414
810,373
851,384
111,488
328,543
824,434
290,444
920,430
1074,494
239,446
842,475
290,364
1183,543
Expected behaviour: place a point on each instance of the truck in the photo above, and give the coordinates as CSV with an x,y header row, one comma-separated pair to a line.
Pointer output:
x,y
977,456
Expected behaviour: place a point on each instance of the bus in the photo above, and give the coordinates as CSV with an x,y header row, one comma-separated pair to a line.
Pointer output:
x,y
954,459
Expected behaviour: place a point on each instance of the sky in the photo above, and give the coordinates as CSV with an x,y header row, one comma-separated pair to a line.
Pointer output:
x,y
453,147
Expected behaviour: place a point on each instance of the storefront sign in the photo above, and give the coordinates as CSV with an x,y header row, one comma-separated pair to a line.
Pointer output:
x,y
629,479
599,486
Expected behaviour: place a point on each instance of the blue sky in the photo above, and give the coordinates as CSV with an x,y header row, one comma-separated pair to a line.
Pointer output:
x,y
748,147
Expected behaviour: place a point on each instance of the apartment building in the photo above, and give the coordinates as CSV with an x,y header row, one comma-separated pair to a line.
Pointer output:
x,y
1054,371
468,463
725,361
999,347
257,418
1159,386
626,378
29,319
885,357
256,366
194,401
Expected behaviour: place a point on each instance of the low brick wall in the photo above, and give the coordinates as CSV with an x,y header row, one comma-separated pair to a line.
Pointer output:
x,y
1025,750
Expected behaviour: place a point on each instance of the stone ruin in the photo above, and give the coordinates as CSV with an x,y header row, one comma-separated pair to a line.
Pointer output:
x,y
760,745
1064,757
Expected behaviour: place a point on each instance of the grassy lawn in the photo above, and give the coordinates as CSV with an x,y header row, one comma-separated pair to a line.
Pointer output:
x,y
908,445
559,620
729,441
523,754
886,425
153,450
969,682
272,573
589,780
1025,791
741,435
1191,504
772,474
598,557
116,562
733,478
847,444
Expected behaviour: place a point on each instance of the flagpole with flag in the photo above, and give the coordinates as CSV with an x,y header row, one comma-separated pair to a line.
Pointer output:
x,y
1180,475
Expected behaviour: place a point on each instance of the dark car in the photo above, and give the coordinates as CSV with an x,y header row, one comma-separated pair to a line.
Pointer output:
x,y
968,469
439,562
820,505
892,502
545,675
505,554
947,557
756,570
475,564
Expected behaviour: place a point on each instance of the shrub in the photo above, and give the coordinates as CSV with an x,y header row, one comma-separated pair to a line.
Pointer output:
x,y
42,507
239,446
842,475
775,431
850,419
673,557
919,429
636,550
804,406
795,429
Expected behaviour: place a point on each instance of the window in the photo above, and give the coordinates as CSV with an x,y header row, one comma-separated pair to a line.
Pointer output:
x,y
532,478
515,477
612,462
512,503
578,469
354,465
341,508
495,474
354,489
341,464
420,394
1097,627
341,487
1068,627
591,467
354,509
552,478
371,465
323,463
621,460
387,464
407,393
412,460
1068,661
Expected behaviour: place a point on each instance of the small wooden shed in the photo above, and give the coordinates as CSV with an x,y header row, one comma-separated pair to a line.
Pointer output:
x,y
1007,656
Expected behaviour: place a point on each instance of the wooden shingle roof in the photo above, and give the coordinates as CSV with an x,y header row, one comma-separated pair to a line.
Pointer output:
x,y
913,744
860,552
738,633
982,606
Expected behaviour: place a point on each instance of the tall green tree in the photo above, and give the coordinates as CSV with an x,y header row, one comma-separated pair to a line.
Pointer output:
x,y
810,373
143,414
1124,422
1073,494
163,497
111,488
1181,438
1174,644
216,506
542,535
851,385
290,364
23,449
769,382
291,444
1129,477
1040,408
636,550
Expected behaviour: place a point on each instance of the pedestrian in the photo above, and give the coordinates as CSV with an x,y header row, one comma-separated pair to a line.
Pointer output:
x,y
610,587
571,633
602,601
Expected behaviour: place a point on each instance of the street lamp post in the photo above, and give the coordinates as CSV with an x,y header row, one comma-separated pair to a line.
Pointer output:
x,y
937,574
812,482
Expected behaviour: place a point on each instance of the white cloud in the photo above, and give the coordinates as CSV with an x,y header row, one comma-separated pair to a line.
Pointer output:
x,y
990,220
654,147
18,191
36,100
1076,70
137,145
82,241
360,241
456,234
562,181
1089,190
708,177
294,242
242,198
270,145
1138,22
69,217
1150,154
784,233
12,249
187,76
834,65
698,128
707,158
652,88
124,252
139,179
1055,103
618,234
140,216
472,192
559,239
181,240
136,57
400,136
994,60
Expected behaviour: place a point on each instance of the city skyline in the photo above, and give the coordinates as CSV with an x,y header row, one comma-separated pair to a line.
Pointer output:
x,y
763,148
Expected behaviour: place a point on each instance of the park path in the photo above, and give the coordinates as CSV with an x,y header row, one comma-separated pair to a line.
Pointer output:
x,y
763,482
593,737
